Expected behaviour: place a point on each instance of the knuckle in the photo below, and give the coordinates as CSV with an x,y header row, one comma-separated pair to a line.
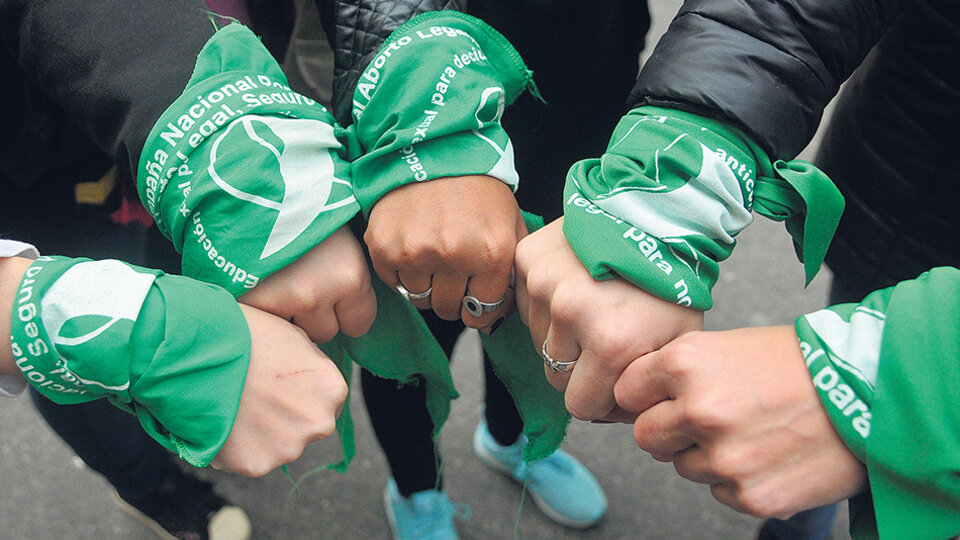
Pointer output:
x,y
757,502
703,414
353,280
326,429
495,251
679,358
726,463
580,411
323,333
538,283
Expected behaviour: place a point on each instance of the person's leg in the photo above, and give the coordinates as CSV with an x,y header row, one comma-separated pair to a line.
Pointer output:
x,y
414,500
109,441
501,414
402,425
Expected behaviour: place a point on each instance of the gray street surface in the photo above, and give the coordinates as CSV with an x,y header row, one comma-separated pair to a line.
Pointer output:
x,y
47,494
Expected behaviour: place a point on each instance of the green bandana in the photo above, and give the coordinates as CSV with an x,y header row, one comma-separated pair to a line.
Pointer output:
x,y
887,372
241,173
429,105
662,207
244,176
166,348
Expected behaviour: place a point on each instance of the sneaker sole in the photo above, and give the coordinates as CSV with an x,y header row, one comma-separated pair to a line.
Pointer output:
x,y
142,518
491,461
228,523
388,509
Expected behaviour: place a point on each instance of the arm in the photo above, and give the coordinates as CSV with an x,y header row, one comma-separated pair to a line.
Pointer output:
x,y
790,58
114,66
81,330
700,151
116,71
426,101
11,271
855,397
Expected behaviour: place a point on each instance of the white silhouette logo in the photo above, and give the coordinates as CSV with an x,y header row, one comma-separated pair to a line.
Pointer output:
x,y
306,169
109,290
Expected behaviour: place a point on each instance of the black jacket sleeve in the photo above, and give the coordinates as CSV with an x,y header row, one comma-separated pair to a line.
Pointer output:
x,y
113,65
356,32
770,66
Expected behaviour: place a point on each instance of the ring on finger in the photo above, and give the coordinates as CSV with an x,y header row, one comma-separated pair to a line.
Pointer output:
x,y
555,366
477,308
411,296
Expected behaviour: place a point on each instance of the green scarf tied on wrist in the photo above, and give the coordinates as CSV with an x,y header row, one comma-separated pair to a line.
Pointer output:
x,y
244,176
662,207
429,105
171,350
886,373
240,172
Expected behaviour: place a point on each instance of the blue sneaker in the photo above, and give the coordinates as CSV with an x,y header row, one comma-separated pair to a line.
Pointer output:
x,y
560,485
424,515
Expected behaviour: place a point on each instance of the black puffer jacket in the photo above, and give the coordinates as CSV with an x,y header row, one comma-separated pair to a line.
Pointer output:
x,y
584,62
769,66
891,147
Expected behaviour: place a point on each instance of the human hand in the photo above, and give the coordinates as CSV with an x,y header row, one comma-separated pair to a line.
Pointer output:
x,y
327,290
449,235
737,410
292,396
602,325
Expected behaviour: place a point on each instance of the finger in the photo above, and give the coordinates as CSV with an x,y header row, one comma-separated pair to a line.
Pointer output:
x,y
538,319
491,289
521,299
619,414
558,350
447,297
589,394
319,323
661,430
356,312
727,495
641,385
416,282
694,465
509,306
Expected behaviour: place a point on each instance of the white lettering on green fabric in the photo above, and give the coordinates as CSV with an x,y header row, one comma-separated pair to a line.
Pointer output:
x,y
843,398
237,274
648,245
27,312
742,171
408,154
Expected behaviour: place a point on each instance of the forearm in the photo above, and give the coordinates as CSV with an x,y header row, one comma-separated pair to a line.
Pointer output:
x,y
762,65
11,273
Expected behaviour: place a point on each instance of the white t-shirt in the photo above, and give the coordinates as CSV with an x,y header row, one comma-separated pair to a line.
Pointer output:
x,y
14,385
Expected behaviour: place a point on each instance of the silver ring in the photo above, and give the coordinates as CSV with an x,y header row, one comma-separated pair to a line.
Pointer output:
x,y
477,308
556,366
409,296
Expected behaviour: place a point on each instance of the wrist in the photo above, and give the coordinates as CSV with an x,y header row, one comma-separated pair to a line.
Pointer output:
x,y
12,270
429,105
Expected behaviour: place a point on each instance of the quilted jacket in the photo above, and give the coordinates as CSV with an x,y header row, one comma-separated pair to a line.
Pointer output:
x,y
890,148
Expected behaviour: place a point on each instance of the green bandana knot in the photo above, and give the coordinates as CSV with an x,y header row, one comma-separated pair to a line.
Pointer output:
x,y
664,204
806,200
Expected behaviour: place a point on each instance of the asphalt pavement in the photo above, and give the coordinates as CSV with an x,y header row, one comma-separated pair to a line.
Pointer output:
x,y
49,494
